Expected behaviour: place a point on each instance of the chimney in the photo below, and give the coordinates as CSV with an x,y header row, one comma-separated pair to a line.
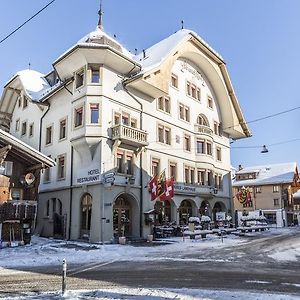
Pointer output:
x,y
240,167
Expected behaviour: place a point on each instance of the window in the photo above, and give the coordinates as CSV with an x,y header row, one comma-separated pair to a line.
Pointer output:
x,y
125,119
220,182
209,148
209,178
201,177
61,167
216,128
187,143
163,104
133,123
78,116
200,146
193,91
174,80
24,128
117,119
155,167
189,175
18,125
31,130
48,135
173,170
258,189
202,120
275,188
95,75
25,102
276,202
79,77
62,129
47,175
198,94
164,134
218,154
188,88
94,108
184,112
124,162
209,102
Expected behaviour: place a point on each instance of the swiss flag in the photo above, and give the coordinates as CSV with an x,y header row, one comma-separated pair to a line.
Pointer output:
x,y
169,190
153,188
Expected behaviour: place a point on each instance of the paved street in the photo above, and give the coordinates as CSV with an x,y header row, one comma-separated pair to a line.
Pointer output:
x,y
243,267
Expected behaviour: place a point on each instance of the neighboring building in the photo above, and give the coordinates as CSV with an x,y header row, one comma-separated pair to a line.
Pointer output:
x,y
270,189
296,197
20,169
107,116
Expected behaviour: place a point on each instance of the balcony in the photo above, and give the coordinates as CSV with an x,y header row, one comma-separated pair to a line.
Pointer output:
x,y
203,129
129,135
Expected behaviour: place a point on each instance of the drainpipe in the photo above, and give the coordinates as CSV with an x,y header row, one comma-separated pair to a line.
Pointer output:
x,y
41,123
71,192
141,160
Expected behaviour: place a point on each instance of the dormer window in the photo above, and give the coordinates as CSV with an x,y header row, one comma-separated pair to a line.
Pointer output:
x,y
79,77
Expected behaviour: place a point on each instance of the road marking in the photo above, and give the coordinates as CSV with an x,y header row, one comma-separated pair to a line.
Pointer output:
x,y
257,281
92,267
293,284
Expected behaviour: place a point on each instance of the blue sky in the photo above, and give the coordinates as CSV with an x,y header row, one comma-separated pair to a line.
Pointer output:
x,y
259,41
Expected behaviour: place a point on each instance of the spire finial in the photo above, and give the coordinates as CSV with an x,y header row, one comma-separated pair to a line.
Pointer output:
x,y
100,13
182,23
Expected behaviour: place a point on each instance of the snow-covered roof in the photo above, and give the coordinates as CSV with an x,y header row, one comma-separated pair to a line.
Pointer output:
x,y
268,174
160,51
297,195
35,155
34,83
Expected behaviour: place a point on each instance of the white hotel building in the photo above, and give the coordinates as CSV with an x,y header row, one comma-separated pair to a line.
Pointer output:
x,y
106,115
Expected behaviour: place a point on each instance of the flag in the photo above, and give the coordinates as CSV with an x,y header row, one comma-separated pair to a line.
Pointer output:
x,y
153,188
169,190
161,180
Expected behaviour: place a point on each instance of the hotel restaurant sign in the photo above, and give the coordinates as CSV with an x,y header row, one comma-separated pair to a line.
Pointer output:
x,y
181,188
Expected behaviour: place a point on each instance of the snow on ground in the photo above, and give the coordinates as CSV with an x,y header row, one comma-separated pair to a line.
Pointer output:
x,y
154,294
44,251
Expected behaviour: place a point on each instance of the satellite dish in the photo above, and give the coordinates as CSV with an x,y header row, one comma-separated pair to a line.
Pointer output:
x,y
29,178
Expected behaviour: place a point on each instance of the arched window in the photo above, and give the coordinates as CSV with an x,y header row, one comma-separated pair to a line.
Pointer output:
x,y
185,211
202,120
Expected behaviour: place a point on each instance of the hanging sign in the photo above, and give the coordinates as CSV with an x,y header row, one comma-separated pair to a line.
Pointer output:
x,y
29,178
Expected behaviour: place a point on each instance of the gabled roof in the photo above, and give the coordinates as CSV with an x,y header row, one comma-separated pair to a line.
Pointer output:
x,y
161,50
24,151
268,174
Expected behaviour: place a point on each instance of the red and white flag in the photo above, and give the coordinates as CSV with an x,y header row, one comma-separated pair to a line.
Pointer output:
x,y
153,188
169,190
